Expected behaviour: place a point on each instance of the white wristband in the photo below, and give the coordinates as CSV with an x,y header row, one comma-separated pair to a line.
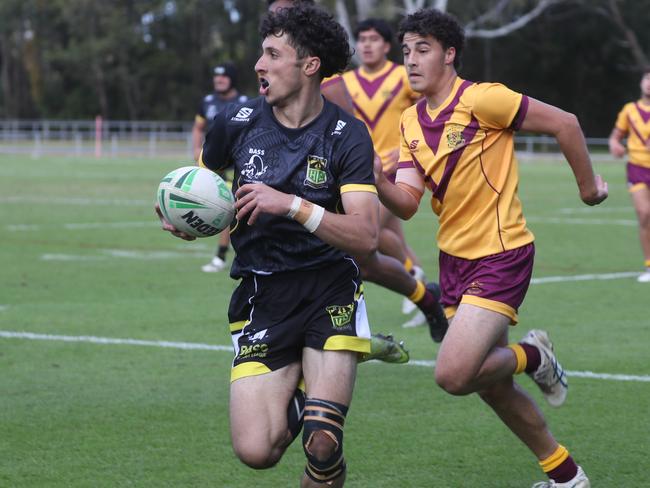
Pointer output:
x,y
314,219
295,206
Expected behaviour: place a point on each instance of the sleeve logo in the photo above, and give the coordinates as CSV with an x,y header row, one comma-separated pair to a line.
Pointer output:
x,y
243,115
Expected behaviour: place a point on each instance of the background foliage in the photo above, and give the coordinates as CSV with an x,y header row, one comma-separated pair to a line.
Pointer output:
x,y
151,59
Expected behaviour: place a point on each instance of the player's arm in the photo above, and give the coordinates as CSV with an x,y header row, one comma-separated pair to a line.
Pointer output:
x,y
403,197
355,232
198,129
616,147
564,126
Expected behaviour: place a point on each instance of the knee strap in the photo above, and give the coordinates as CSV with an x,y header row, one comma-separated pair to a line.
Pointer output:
x,y
323,439
296,413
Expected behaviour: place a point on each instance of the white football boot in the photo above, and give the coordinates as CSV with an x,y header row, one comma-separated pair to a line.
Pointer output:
x,y
579,481
214,266
549,376
644,277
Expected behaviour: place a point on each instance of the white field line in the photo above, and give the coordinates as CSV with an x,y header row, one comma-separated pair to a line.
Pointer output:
x,y
596,210
82,226
585,277
574,221
85,201
125,254
208,347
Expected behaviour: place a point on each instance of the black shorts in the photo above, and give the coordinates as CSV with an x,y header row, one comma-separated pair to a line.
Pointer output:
x,y
273,317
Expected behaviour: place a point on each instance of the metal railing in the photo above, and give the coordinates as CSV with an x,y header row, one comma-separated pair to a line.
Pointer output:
x,y
155,139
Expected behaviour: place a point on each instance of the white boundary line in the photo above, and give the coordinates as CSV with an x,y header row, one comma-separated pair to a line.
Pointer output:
x,y
208,347
586,277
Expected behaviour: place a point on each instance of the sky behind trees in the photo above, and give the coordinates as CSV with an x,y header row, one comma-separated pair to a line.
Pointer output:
x,y
152,59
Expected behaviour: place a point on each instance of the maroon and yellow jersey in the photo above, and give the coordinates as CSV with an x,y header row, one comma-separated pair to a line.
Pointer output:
x,y
634,120
379,100
464,151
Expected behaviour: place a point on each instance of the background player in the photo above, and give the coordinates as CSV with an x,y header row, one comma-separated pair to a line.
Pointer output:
x,y
633,122
458,142
380,91
224,95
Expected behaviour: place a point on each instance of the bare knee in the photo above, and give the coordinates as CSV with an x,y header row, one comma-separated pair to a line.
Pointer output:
x,y
453,381
257,456
644,218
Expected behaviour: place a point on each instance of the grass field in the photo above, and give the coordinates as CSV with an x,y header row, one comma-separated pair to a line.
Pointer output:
x,y
82,255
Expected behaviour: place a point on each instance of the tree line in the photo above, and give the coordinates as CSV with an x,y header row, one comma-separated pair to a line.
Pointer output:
x,y
152,59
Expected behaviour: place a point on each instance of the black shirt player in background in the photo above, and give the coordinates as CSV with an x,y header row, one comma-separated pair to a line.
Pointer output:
x,y
225,94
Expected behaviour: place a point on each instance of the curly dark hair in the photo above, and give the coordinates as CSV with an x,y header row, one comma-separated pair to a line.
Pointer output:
x,y
441,26
312,32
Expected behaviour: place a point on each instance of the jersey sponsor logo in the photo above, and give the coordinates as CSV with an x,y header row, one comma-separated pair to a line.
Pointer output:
x,y
316,175
259,152
255,348
341,315
454,134
339,128
254,168
414,144
243,115
474,288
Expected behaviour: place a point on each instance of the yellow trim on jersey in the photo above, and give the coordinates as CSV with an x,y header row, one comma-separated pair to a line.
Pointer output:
x,y
520,356
450,311
554,460
200,161
358,187
493,305
647,263
238,326
636,187
347,343
248,369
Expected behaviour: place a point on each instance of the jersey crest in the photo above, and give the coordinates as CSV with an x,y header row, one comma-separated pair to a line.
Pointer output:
x,y
316,176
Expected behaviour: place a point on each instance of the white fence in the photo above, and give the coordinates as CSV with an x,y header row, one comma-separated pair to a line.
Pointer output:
x,y
158,139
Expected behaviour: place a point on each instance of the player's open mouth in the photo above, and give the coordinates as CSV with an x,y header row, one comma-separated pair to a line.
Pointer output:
x,y
264,86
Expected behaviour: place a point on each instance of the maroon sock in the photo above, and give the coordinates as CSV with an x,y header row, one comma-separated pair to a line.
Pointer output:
x,y
533,357
564,472
427,301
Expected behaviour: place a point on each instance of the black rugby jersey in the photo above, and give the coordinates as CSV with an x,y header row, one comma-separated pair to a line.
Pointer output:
x,y
212,104
313,162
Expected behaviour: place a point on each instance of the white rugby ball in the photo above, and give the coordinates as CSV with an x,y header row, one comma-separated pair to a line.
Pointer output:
x,y
196,201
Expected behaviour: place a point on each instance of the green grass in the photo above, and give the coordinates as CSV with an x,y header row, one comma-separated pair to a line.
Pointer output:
x,y
81,415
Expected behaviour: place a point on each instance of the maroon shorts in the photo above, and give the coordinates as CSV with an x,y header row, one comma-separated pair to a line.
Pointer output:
x,y
637,176
498,282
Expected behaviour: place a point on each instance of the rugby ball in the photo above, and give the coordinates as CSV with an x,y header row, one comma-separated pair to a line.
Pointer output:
x,y
196,201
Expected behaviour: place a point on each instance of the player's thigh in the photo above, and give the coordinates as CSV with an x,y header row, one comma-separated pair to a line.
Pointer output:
x,y
472,333
258,406
329,375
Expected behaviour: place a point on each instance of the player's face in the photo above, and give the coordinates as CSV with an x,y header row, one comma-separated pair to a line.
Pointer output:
x,y
278,70
371,48
221,83
427,63
645,85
